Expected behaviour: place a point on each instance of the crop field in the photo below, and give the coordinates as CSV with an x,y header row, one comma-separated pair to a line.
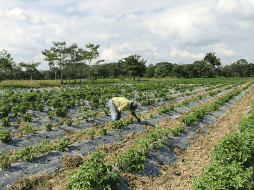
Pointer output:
x,y
193,134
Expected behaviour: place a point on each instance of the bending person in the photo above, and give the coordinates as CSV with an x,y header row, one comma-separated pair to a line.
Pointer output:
x,y
119,104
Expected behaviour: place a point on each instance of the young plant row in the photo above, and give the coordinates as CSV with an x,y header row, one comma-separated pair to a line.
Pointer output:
x,y
199,114
61,112
133,162
6,137
233,157
169,98
20,103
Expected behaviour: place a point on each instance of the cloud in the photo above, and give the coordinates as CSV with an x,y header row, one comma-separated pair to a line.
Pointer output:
x,y
169,31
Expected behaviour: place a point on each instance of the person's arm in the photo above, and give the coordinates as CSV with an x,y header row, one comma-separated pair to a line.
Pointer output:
x,y
133,113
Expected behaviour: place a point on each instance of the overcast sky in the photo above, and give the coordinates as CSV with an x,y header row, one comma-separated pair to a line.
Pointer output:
x,y
175,31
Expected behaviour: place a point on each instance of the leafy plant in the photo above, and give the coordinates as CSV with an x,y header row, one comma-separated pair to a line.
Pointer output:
x,y
29,128
91,132
4,159
103,130
213,106
118,124
60,112
199,113
187,119
4,110
78,102
15,110
5,136
134,163
185,103
27,117
106,111
199,97
84,108
60,122
48,126
69,122
40,107
93,174
18,120
33,105
56,102
50,115
5,122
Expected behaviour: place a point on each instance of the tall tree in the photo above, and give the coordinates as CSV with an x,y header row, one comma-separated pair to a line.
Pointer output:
x,y
77,56
218,71
177,70
96,68
120,66
2,68
7,62
188,70
242,66
213,62
141,69
17,71
227,71
68,71
165,65
56,54
199,68
150,71
239,67
113,69
91,55
105,70
132,65
250,69
160,72
31,68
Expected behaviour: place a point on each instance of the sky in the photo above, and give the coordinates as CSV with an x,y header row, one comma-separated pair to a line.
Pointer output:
x,y
159,31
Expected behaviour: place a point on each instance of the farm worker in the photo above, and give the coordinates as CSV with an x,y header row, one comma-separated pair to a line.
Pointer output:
x,y
119,104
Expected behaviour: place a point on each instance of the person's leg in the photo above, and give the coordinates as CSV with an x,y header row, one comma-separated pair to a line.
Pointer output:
x,y
113,110
119,115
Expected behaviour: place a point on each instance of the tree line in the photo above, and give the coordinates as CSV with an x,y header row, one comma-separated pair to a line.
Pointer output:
x,y
70,63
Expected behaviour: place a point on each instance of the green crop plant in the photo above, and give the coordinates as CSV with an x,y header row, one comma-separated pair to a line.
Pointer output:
x,y
5,122
27,117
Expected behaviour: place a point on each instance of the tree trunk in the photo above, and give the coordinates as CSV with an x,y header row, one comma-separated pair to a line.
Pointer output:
x,y
89,74
61,78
